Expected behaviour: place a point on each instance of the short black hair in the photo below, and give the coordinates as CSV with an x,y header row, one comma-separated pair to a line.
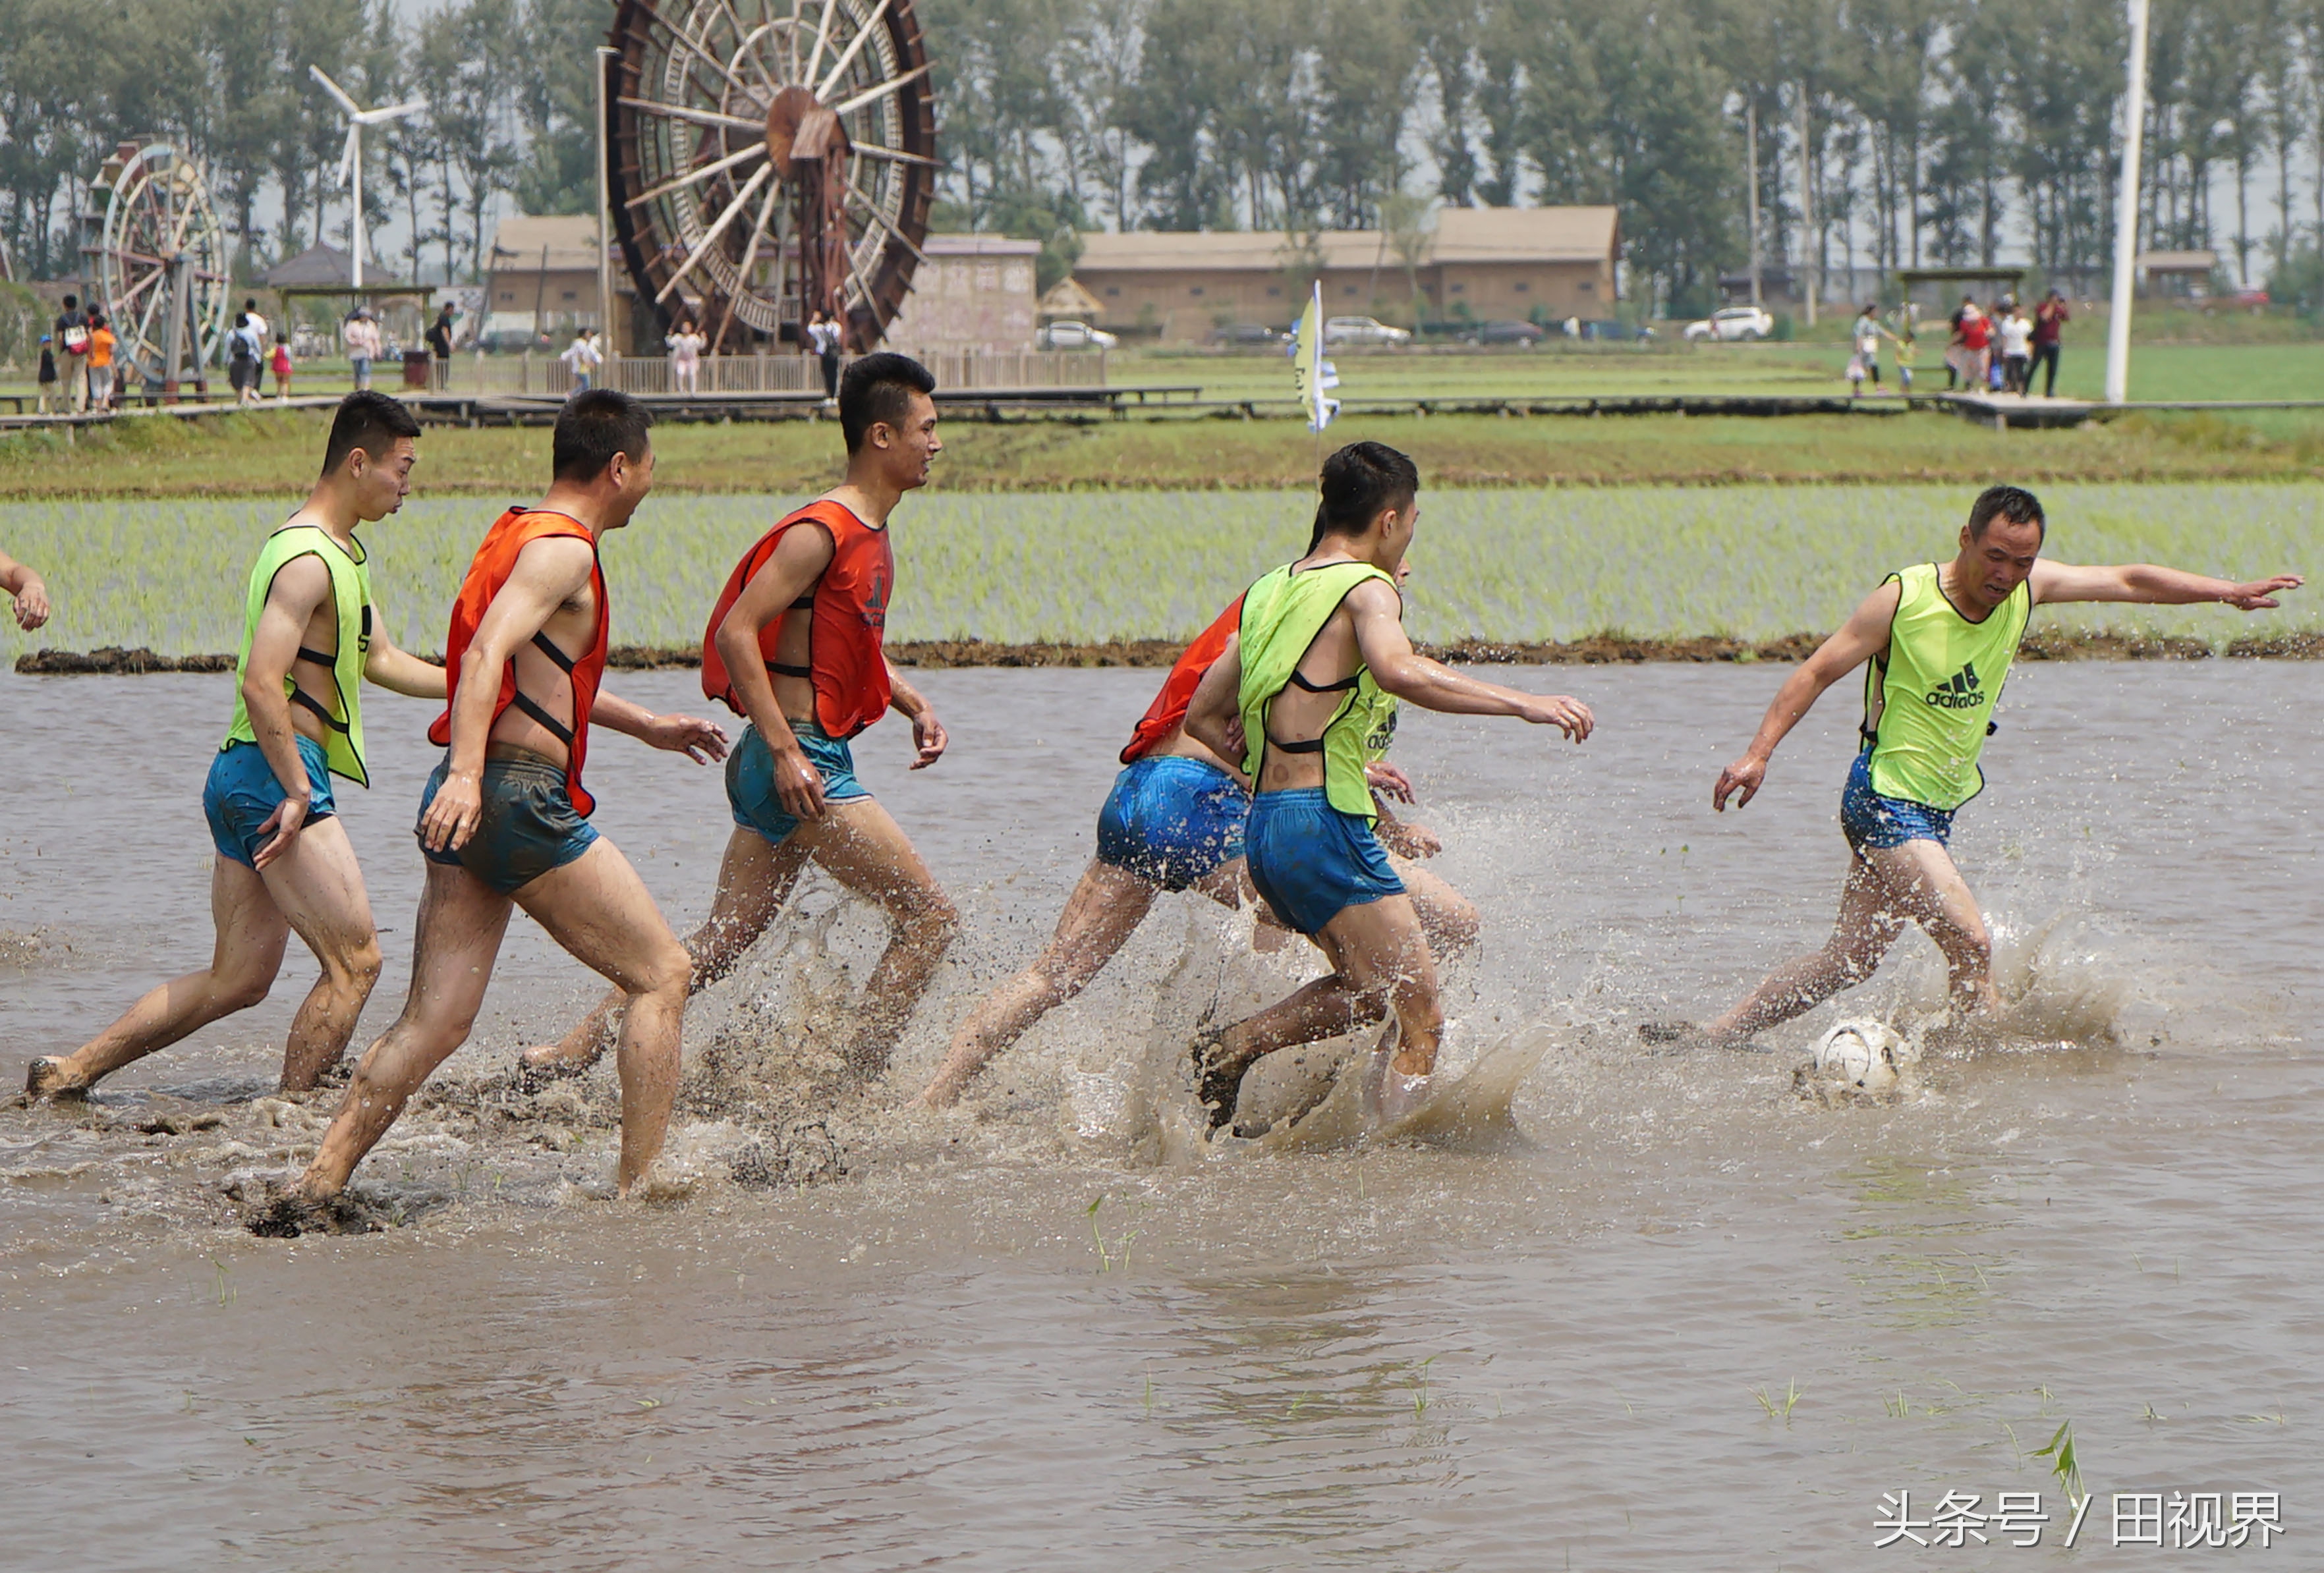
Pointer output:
x,y
592,426
1358,481
2014,503
368,420
72,302
878,390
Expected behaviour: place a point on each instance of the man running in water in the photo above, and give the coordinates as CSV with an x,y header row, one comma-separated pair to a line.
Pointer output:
x,y
502,821
794,646
1319,652
1175,822
311,639
1936,641
28,595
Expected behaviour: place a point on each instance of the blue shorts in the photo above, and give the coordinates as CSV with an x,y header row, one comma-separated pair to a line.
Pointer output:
x,y
242,792
750,778
1171,820
1870,820
1311,861
529,826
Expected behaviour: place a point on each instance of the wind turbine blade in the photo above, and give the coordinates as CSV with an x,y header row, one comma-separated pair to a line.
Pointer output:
x,y
350,152
881,90
393,112
741,199
335,91
854,46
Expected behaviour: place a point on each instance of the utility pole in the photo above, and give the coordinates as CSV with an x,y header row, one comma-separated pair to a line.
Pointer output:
x,y
1811,248
606,59
2126,215
1751,141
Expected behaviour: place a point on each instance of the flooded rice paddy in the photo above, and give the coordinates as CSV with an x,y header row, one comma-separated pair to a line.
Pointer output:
x,y
1680,1319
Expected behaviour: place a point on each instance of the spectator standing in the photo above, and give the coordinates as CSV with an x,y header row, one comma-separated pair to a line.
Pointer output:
x,y
582,357
258,324
2016,351
686,358
281,369
1957,348
1867,334
1908,349
440,344
2049,318
71,337
48,383
364,345
823,340
241,360
101,345
1976,346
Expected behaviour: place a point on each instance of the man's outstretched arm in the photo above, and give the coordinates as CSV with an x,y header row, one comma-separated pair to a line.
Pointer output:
x,y
26,591
1863,635
2148,584
1404,672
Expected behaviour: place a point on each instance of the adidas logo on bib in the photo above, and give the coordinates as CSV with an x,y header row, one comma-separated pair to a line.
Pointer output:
x,y
1961,692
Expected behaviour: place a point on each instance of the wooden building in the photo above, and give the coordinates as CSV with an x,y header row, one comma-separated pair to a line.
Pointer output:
x,y
1482,263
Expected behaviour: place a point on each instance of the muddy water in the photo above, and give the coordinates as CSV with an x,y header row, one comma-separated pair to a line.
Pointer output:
x,y
1528,1353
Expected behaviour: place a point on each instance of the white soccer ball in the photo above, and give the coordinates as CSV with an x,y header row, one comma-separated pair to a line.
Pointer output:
x,y
1860,1055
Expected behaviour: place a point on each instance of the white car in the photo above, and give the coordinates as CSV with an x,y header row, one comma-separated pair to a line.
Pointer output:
x,y
1076,335
1732,324
1362,330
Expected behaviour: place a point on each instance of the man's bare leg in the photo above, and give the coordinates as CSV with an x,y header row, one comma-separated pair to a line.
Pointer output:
x,y
245,958
318,887
461,921
1104,910
863,848
600,911
1886,888
755,878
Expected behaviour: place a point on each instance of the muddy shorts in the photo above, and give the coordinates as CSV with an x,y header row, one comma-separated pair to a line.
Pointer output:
x,y
242,794
529,826
750,778
1873,823
1312,862
1171,820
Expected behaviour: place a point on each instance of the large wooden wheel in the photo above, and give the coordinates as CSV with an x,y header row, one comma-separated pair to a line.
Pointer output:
x,y
769,157
159,259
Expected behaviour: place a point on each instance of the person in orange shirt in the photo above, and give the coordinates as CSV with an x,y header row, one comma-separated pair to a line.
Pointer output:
x,y
101,343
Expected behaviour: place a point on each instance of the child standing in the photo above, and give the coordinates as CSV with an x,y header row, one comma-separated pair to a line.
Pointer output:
x,y
48,376
281,365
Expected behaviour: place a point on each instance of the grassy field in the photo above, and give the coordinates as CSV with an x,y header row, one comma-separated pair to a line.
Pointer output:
x,y
273,454
1510,566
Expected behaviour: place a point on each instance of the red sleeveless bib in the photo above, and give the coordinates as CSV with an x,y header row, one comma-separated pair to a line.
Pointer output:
x,y
1169,707
849,620
494,561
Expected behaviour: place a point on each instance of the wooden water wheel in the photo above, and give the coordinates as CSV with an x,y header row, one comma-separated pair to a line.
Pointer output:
x,y
768,158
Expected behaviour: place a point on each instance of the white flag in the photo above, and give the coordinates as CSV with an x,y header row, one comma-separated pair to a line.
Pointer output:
x,y
1314,376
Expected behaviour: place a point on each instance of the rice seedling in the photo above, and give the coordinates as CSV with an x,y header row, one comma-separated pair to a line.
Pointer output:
x,y
1779,1406
1508,565
2065,1464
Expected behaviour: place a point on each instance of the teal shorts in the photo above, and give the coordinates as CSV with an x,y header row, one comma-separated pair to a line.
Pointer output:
x,y
529,826
1313,861
242,794
750,778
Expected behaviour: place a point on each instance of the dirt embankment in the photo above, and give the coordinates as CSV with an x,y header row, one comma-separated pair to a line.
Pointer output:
x,y
1595,650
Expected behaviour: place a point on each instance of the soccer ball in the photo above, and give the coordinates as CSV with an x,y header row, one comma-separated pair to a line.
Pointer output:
x,y
1858,1056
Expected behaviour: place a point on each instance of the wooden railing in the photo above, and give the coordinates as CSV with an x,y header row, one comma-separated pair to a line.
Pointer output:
x,y
955,371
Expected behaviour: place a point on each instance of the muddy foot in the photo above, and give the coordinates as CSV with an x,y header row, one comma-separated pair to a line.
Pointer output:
x,y
1218,1083
285,1213
45,1078
539,1069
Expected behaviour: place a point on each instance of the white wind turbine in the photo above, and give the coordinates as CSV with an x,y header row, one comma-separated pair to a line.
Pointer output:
x,y
351,160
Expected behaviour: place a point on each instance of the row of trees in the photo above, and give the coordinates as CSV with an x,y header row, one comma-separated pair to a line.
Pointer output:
x,y
1886,133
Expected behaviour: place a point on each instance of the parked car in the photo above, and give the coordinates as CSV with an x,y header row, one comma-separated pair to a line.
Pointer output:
x,y
1505,332
1075,335
1245,332
1733,324
1607,329
1362,330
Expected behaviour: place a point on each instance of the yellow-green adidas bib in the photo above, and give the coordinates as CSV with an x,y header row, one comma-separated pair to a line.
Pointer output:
x,y
1281,616
1936,687
342,709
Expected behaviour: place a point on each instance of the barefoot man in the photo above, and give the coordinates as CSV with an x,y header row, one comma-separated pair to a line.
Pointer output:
x,y
794,645
311,638
503,819
1938,639
1319,655
28,595
1175,822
